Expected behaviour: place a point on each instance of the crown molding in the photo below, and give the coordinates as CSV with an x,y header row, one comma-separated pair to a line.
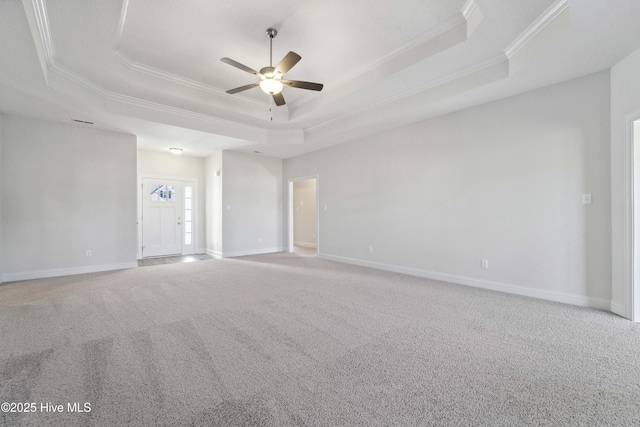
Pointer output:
x,y
170,77
544,20
137,102
219,98
465,72
78,80
468,9
521,41
285,136
42,20
48,62
258,134
40,31
425,37
451,32
179,80
123,17
475,68
412,44
163,108
46,52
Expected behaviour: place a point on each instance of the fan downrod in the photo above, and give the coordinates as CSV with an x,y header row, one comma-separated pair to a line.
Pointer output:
x,y
271,33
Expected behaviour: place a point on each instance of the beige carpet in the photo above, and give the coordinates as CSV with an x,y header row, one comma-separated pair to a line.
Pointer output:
x,y
290,340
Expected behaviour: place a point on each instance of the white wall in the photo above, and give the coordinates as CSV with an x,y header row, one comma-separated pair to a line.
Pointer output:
x,y
304,213
154,163
66,190
502,182
625,107
213,209
252,204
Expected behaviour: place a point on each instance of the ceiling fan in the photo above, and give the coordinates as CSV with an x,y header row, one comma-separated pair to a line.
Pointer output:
x,y
271,78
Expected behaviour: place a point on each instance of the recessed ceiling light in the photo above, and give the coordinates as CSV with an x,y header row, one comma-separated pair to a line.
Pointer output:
x,y
175,150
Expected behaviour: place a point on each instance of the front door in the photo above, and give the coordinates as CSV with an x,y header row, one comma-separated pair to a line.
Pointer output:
x,y
161,217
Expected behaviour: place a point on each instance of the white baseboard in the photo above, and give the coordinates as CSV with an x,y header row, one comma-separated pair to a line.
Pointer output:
x,y
305,244
216,254
251,252
198,251
580,300
619,309
41,274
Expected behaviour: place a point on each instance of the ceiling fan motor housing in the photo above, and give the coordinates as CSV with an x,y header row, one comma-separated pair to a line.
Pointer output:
x,y
269,72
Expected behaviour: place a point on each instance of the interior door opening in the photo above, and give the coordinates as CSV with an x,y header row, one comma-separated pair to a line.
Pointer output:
x,y
303,215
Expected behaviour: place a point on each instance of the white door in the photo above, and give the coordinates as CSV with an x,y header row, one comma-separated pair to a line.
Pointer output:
x,y
161,217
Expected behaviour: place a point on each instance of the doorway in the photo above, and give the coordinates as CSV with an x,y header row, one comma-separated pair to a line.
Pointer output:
x,y
168,220
303,215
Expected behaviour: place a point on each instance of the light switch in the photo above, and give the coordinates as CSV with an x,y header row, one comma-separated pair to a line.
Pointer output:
x,y
586,199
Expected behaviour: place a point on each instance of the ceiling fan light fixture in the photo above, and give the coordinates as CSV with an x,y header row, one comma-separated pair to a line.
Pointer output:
x,y
271,78
271,86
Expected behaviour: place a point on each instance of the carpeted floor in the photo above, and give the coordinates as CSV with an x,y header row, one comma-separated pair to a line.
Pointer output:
x,y
290,340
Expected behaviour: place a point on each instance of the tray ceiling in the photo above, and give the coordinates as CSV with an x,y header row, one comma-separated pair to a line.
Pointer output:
x,y
152,68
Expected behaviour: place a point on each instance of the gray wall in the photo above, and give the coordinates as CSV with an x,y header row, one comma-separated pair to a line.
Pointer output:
x,y
213,210
67,189
502,182
252,204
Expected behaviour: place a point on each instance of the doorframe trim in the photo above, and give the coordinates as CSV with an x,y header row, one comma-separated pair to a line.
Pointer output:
x,y
631,257
289,246
196,223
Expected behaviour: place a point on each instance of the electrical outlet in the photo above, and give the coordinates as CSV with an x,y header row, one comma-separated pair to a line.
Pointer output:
x,y
586,199
259,240
370,249
89,254
485,263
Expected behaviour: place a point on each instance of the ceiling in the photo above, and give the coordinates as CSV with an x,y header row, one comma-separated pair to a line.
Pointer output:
x,y
152,68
